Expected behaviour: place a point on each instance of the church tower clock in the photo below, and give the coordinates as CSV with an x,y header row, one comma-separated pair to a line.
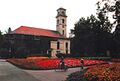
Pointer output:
x,y
61,19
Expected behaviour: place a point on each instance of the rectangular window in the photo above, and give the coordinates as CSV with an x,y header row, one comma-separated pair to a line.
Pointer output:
x,y
66,47
58,45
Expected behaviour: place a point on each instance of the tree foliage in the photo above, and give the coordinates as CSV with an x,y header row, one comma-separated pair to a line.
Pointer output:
x,y
113,6
83,36
1,37
89,37
3,51
93,37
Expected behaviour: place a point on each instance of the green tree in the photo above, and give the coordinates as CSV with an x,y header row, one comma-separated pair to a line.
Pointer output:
x,y
3,51
102,14
104,41
1,38
117,30
92,35
113,6
83,42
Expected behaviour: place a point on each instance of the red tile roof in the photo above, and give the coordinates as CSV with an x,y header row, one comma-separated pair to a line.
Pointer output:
x,y
37,32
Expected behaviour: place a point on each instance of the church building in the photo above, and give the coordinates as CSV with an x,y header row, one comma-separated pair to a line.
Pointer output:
x,y
43,41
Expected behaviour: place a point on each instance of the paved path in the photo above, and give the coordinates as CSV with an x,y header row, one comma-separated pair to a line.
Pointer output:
x,y
8,72
52,75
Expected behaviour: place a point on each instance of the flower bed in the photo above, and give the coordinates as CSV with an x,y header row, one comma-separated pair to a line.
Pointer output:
x,y
51,63
24,63
115,60
106,72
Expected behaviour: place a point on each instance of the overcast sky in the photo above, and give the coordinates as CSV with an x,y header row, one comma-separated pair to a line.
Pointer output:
x,y
42,13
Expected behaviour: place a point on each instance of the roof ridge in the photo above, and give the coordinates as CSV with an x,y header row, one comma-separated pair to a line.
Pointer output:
x,y
37,31
37,28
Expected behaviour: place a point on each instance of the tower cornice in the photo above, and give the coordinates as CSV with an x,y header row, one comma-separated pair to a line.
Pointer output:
x,y
61,16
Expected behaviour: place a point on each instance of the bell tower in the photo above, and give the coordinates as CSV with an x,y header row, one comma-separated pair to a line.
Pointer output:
x,y
61,20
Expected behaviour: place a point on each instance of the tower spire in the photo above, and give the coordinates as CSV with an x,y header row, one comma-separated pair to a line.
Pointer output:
x,y
61,20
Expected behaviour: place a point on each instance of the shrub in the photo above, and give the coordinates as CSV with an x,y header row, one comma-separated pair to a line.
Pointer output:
x,y
60,55
77,76
115,60
39,55
98,58
21,52
4,53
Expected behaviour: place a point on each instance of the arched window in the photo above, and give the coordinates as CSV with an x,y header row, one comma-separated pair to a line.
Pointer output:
x,y
66,45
